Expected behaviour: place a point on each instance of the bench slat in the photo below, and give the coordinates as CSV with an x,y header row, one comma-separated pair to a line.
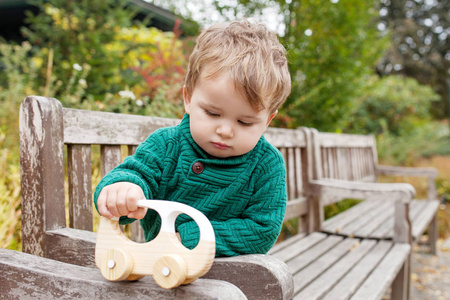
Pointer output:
x,y
94,127
356,276
367,222
285,138
383,276
110,158
425,217
295,208
80,186
323,263
301,261
340,220
333,275
300,244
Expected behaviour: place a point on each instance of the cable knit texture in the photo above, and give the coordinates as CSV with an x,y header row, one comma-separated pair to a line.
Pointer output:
x,y
244,197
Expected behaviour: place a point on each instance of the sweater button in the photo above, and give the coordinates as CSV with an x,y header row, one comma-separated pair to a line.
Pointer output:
x,y
198,167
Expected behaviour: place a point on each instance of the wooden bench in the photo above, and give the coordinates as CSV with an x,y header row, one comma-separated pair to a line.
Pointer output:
x,y
351,158
26,276
294,268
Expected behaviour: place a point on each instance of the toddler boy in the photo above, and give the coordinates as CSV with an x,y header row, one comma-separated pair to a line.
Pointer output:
x,y
216,160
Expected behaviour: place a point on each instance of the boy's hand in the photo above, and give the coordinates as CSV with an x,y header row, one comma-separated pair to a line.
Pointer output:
x,y
120,199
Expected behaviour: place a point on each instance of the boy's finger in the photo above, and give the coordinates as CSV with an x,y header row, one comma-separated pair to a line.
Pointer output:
x,y
138,214
121,202
111,204
134,194
101,205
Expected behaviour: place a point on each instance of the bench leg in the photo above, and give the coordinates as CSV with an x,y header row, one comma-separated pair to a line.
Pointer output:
x,y
433,235
401,284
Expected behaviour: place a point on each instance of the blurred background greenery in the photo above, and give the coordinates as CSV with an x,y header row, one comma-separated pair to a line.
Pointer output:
x,y
358,66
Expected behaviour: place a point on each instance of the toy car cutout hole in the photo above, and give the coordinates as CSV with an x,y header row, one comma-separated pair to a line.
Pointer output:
x,y
183,218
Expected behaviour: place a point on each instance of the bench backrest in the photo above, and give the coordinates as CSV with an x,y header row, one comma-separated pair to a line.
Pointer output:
x,y
47,129
349,157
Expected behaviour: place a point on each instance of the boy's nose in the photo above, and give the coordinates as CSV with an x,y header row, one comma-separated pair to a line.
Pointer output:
x,y
225,130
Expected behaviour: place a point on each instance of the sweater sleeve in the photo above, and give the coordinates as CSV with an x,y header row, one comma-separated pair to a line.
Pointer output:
x,y
257,229
144,168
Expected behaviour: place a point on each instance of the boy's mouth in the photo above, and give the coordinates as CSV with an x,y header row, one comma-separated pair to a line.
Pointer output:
x,y
221,146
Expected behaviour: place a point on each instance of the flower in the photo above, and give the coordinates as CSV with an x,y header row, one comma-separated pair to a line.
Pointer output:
x,y
77,67
127,94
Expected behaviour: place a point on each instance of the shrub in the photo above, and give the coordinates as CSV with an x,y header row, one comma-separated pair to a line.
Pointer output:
x,y
393,104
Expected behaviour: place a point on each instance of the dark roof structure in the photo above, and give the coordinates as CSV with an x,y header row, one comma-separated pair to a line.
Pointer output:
x,y
12,17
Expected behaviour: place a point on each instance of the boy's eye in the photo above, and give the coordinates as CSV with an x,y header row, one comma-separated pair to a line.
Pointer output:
x,y
245,123
210,113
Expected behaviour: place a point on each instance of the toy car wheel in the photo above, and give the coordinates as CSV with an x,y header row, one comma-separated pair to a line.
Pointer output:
x,y
170,271
189,280
134,277
116,265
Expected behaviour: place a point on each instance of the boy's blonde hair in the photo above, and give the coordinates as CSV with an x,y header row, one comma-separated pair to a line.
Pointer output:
x,y
251,54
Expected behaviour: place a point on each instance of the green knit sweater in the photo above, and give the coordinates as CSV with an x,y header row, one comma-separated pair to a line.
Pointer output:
x,y
244,197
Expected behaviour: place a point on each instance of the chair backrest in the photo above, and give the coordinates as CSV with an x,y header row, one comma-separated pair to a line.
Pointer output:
x,y
53,138
349,157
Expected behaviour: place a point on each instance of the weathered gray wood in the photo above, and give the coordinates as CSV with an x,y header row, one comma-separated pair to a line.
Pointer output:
x,y
350,283
78,247
402,225
42,171
353,158
384,274
285,138
258,276
332,191
325,261
25,276
327,280
433,234
92,127
425,217
80,186
110,158
295,208
137,234
294,246
301,261
72,246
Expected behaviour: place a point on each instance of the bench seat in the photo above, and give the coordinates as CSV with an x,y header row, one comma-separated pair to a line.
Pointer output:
x,y
336,267
374,219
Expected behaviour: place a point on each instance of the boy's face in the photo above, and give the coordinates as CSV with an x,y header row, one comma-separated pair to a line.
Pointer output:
x,y
222,121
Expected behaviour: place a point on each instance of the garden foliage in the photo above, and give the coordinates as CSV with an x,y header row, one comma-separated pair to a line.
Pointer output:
x,y
92,55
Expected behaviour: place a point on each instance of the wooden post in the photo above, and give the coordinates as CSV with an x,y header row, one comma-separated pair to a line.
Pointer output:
x,y
402,234
42,171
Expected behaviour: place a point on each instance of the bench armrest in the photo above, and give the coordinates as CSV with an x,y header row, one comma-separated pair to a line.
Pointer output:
x,y
430,173
406,171
324,192
28,276
257,276
331,190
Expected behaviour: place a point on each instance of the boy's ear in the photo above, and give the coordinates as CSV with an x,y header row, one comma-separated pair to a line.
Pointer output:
x,y
271,117
187,100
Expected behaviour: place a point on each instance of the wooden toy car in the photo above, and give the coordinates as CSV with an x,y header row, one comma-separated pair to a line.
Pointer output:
x,y
170,263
